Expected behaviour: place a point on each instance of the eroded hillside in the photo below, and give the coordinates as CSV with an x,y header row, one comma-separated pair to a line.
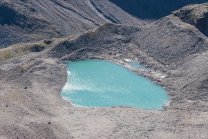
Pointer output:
x,y
32,20
174,51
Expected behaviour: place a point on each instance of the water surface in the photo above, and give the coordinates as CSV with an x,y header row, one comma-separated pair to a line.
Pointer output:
x,y
96,83
137,65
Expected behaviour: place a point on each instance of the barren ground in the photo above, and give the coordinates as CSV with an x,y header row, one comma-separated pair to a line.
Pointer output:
x,y
31,105
174,52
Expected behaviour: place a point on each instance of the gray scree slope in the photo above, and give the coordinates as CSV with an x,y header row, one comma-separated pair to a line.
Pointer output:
x,y
174,51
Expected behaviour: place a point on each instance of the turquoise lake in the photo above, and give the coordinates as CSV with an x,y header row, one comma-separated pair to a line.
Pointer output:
x,y
96,83
136,65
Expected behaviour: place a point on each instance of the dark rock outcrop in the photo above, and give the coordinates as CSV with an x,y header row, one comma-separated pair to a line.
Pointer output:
x,y
196,15
152,9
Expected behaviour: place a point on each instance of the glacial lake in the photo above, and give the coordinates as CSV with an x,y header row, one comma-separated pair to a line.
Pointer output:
x,y
96,83
136,65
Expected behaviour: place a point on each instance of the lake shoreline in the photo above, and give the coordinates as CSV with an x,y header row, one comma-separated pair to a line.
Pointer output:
x,y
91,117
93,77
32,106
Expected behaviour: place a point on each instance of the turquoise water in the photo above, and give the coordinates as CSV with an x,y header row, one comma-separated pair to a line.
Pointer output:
x,y
95,83
136,65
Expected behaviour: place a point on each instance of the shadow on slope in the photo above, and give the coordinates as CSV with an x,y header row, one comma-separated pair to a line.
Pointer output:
x,y
196,15
153,9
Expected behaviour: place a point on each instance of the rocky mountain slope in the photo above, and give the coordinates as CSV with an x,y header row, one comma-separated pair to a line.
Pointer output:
x,y
151,9
32,20
168,42
174,51
195,15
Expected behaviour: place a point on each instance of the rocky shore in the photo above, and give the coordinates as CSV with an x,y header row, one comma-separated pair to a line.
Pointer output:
x,y
175,53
